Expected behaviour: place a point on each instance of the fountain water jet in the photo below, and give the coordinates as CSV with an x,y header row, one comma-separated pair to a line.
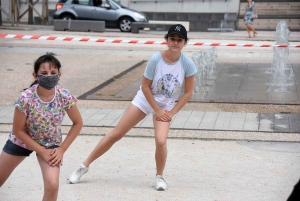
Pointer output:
x,y
281,71
205,62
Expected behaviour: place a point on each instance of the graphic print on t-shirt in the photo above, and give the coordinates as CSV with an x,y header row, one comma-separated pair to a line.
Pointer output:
x,y
168,85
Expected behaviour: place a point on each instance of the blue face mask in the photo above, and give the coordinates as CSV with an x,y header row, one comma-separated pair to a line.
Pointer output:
x,y
47,82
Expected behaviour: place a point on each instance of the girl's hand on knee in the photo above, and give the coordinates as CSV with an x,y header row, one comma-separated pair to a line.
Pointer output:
x,y
170,114
158,119
47,154
52,151
57,159
163,115
60,163
159,113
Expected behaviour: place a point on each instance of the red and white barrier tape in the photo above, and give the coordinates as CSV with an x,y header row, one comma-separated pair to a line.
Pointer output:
x,y
103,40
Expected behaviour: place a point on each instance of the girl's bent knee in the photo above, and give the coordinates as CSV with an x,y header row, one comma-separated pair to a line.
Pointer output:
x,y
161,143
52,187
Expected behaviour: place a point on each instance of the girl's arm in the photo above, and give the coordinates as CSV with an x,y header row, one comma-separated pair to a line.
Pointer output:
x,y
18,125
188,91
250,4
75,117
160,113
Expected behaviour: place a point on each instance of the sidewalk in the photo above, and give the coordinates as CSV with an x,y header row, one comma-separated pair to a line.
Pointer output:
x,y
187,120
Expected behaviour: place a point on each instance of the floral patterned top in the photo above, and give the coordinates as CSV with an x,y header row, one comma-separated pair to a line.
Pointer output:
x,y
43,119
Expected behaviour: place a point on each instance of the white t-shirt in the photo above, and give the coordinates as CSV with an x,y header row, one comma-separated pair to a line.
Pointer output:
x,y
167,79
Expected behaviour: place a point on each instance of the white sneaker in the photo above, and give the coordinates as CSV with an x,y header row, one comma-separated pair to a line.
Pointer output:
x,y
77,174
160,182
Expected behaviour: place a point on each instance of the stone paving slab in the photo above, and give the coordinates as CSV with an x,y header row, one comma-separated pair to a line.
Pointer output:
x,y
189,120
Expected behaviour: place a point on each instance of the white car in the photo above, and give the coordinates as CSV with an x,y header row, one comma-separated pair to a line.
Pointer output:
x,y
114,14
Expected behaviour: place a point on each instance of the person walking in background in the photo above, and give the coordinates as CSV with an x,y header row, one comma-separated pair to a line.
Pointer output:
x,y
165,74
248,19
38,114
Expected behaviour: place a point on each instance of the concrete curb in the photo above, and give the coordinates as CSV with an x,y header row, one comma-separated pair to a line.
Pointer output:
x,y
209,135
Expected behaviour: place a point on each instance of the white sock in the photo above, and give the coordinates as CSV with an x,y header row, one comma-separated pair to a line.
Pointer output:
x,y
82,165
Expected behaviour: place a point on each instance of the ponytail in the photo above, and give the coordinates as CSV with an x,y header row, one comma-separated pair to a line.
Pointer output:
x,y
35,82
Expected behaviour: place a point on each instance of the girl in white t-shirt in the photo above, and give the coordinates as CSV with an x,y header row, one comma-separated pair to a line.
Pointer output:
x,y
39,111
165,75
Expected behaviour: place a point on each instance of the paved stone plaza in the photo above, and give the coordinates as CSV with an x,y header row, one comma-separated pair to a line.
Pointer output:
x,y
235,142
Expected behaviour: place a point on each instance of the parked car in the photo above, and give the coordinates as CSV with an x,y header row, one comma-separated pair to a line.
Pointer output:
x,y
113,13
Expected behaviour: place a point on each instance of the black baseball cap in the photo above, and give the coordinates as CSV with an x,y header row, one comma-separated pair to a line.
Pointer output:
x,y
178,29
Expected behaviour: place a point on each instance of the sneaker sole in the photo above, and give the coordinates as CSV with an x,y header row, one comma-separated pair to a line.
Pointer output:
x,y
160,189
73,182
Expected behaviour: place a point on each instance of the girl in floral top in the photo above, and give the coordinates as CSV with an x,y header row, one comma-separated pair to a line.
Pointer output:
x,y
39,111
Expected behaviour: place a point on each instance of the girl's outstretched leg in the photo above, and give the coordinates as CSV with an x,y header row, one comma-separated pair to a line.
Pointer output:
x,y
131,117
8,163
51,180
161,134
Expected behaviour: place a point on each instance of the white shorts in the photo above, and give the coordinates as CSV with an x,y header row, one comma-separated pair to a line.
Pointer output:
x,y
143,105
141,102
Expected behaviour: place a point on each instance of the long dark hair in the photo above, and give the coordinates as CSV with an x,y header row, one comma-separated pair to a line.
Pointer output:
x,y
47,58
